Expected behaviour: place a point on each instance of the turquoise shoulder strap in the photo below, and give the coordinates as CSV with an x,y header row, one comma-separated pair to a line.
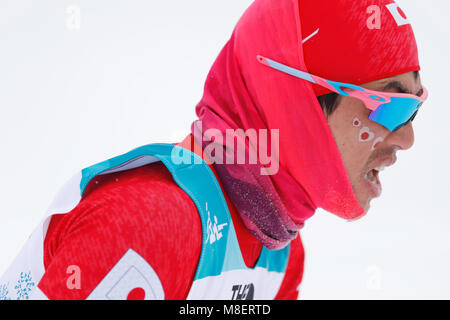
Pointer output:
x,y
196,178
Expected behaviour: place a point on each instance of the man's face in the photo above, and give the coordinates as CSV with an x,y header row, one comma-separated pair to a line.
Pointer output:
x,y
366,146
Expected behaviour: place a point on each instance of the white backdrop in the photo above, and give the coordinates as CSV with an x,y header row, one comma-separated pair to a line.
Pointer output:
x,y
82,81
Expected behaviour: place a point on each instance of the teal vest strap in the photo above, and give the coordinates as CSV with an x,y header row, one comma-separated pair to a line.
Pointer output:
x,y
196,178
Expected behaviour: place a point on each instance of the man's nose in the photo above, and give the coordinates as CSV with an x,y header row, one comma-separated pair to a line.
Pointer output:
x,y
403,137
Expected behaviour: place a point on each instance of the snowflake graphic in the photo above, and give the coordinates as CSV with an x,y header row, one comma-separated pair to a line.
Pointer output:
x,y
24,286
4,292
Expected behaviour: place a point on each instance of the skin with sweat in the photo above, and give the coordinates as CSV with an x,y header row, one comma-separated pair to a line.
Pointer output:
x,y
365,145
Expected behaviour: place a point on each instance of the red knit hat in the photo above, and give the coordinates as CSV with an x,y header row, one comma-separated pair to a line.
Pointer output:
x,y
356,41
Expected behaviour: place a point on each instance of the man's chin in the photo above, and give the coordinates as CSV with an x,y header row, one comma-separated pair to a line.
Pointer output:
x,y
365,205
364,202
365,193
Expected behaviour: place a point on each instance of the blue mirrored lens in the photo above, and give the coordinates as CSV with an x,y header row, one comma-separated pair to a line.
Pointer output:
x,y
396,113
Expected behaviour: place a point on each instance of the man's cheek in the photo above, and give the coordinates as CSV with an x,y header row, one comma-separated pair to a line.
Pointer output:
x,y
365,134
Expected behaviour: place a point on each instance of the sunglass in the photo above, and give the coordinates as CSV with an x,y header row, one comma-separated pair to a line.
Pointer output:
x,y
391,110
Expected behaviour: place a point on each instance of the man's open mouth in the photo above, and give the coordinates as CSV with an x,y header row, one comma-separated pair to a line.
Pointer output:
x,y
374,182
373,175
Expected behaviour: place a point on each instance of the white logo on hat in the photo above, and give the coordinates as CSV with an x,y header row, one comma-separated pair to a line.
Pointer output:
x,y
397,14
311,35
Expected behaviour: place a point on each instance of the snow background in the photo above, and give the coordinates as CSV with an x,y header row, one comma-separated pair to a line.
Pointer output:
x,y
82,81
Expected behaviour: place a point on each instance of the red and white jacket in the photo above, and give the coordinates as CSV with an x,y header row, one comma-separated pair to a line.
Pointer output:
x,y
129,225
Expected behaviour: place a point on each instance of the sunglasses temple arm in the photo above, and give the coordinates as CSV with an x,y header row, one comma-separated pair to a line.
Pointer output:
x,y
330,85
283,68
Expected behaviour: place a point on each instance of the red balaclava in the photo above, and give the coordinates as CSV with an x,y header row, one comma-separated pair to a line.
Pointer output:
x,y
354,43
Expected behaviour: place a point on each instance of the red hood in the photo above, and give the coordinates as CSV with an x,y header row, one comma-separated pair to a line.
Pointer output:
x,y
242,93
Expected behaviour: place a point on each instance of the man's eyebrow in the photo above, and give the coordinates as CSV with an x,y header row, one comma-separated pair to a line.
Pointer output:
x,y
400,88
